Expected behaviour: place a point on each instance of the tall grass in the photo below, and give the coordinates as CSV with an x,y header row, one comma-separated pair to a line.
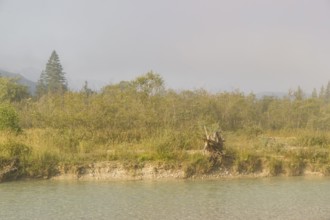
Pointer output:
x,y
42,151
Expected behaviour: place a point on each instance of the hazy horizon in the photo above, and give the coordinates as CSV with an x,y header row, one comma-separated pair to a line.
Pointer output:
x,y
257,46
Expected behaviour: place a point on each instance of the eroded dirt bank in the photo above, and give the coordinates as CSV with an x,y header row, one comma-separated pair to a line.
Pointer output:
x,y
117,171
150,171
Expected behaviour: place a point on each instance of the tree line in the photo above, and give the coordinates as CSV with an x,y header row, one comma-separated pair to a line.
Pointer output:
x,y
130,111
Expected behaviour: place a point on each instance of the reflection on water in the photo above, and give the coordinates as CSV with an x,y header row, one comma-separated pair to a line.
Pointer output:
x,y
271,198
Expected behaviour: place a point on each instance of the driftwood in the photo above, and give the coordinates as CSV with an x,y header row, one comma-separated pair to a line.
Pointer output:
x,y
213,143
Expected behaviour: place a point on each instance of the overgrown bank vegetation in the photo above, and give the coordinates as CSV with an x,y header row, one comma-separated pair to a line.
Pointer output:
x,y
140,121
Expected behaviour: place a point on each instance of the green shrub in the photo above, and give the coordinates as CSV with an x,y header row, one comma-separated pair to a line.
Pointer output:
x,y
165,151
296,166
65,140
9,119
318,156
145,157
248,163
15,149
228,158
253,130
198,164
275,167
44,165
296,161
164,147
314,140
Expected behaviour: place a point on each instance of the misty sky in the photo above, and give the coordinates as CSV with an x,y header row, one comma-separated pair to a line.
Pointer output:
x,y
253,45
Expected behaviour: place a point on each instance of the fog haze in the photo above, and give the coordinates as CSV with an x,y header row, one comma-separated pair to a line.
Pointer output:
x,y
256,45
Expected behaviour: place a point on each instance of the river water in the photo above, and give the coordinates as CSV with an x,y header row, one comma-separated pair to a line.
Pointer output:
x,y
263,198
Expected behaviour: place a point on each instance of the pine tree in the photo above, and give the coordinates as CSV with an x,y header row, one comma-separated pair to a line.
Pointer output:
x,y
41,85
86,90
314,94
52,80
327,93
322,93
299,94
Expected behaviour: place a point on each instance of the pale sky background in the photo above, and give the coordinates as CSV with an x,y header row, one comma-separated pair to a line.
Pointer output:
x,y
253,45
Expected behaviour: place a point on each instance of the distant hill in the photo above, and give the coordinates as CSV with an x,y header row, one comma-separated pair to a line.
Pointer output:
x,y
24,81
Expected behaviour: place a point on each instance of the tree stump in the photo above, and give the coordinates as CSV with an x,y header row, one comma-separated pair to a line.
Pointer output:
x,y
213,144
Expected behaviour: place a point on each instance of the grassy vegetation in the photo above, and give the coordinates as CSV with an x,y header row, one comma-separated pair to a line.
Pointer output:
x,y
139,122
41,154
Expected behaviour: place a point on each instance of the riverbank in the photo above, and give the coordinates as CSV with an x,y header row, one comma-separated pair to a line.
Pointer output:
x,y
115,171
274,154
150,171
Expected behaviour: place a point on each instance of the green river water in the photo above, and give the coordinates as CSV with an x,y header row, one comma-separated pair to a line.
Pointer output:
x,y
263,198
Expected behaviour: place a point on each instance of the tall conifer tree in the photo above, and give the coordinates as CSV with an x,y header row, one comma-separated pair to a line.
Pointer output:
x,y
322,93
41,85
314,94
52,80
327,93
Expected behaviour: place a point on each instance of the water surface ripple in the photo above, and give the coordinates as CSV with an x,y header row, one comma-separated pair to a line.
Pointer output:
x,y
268,198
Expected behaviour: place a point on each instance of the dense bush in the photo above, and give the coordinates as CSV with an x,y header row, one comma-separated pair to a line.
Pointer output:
x,y
314,140
198,164
9,118
15,149
248,163
276,167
